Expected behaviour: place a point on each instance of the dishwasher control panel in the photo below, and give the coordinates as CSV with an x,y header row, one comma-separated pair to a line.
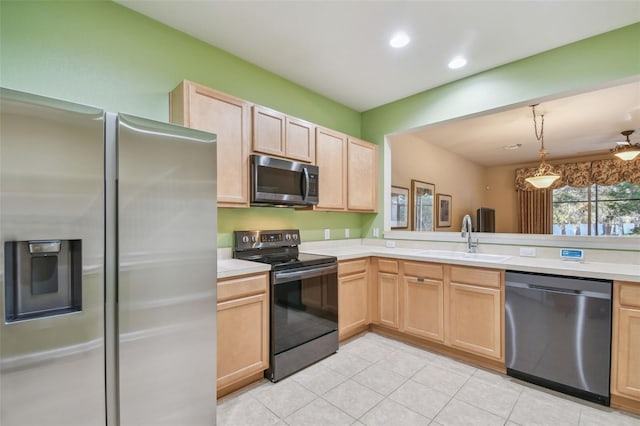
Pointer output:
x,y
572,254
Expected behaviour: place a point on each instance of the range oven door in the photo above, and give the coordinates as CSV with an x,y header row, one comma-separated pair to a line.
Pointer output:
x,y
304,318
304,305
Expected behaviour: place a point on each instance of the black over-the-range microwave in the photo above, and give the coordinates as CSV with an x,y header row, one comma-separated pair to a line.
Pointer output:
x,y
278,182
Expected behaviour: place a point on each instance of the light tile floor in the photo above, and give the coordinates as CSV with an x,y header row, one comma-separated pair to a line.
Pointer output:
x,y
373,380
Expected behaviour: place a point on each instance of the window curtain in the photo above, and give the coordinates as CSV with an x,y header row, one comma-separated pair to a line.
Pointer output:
x,y
536,205
535,211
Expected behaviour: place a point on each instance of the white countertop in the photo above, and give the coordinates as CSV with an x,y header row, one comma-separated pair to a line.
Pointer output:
x,y
234,267
613,271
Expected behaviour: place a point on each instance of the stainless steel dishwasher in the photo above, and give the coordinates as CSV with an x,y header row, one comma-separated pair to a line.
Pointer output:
x,y
558,333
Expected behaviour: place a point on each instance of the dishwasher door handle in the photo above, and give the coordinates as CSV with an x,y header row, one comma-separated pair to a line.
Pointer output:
x,y
558,290
554,289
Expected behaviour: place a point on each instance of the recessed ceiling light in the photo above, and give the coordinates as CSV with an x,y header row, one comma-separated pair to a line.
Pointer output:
x,y
400,39
457,62
514,146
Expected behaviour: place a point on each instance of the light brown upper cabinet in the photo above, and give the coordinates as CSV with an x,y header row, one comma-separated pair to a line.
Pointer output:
x,y
202,108
348,172
331,158
362,176
277,134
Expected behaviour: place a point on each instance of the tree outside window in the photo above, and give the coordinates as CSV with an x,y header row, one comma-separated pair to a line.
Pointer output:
x,y
597,210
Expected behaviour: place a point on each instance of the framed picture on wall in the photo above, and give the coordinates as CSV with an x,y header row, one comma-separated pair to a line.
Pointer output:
x,y
422,205
399,207
443,203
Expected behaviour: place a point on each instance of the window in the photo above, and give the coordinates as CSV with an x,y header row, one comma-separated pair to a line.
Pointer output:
x,y
597,210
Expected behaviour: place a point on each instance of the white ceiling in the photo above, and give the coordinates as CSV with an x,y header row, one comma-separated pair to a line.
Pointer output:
x,y
584,124
340,48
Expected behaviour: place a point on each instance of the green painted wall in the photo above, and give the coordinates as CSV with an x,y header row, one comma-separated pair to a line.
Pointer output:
x,y
575,67
100,53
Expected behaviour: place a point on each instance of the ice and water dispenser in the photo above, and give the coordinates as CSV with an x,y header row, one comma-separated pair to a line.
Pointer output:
x,y
42,278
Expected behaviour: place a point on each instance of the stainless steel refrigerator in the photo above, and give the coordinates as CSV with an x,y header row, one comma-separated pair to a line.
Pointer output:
x,y
108,266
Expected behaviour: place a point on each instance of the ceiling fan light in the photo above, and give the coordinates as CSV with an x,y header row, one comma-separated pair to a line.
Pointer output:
x,y
627,153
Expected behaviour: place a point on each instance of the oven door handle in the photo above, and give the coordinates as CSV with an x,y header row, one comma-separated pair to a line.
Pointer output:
x,y
285,277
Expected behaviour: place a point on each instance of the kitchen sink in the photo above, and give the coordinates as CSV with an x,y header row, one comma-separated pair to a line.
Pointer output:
x,y
461,255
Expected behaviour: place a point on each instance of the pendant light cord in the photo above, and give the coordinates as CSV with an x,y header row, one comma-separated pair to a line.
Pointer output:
x,y
539,138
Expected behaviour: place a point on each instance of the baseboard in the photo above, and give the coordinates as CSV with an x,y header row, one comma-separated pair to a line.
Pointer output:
x,y
226,390
344,335
625,403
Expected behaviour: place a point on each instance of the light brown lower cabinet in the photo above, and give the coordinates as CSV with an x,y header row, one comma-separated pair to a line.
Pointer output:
x,y
243,331
476,306
625,356
353,297
388,296
423,294
475,315
458,309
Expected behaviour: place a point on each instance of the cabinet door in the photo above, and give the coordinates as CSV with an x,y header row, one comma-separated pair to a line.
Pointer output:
x,y
352,303
300,140
331,156
206,109
268,131
424,307
388,299
362,175
243,338
626,380
625,342
475,319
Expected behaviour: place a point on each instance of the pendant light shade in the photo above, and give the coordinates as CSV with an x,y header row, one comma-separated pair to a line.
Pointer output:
x,y
545,175
629,151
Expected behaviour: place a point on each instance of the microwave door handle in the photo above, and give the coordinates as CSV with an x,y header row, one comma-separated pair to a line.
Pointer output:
x,y
305,185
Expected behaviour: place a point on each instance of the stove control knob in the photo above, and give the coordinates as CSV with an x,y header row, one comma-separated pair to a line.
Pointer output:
x,y
253,239
295,236
245,239
287,237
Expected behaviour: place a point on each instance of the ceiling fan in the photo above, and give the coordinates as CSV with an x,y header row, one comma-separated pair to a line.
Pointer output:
x,y
626,150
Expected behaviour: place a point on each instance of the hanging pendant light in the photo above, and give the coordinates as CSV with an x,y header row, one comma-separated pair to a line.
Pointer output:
x,y
545,174
628,151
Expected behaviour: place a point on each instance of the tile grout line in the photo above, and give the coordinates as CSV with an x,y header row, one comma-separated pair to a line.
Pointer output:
x,y
514,406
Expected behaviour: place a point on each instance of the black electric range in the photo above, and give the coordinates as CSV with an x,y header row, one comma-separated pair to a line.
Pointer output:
x,y
303,294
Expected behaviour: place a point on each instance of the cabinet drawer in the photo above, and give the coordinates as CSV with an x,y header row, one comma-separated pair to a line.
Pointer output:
x,y
476,276
629,294
423,270
386,265
243,286
352,266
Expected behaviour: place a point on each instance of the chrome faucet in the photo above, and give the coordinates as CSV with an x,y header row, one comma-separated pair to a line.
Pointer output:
x,y
466,232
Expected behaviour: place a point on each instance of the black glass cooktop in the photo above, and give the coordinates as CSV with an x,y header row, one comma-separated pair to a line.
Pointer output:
x,y
278,248
279,262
